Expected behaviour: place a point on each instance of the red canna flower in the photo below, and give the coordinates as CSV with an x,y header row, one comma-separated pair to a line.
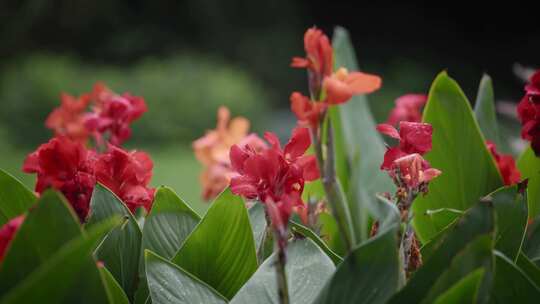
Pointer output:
x,y
274,175
414,171
113,113
318,60
342,85
308,112
128,175
413,137
66,166
408,108
529,113
69,119
506,165
7,233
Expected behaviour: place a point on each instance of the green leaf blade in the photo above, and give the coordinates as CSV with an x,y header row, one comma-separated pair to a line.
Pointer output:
x,y
169,283
221,250
459,151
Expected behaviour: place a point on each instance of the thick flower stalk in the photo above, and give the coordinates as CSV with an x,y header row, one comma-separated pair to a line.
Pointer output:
x,y
212,151
411,174
275,176
528,111
328,87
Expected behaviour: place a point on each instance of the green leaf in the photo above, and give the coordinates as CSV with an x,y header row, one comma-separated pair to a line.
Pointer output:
x,y
368,275
46,228
485,112
15,198
308,268
330,234
121,249
468,170
511,209
511,284
169,223
257,218
386,213
363,145
476,222
529,166
169,283
308,233
114,290
221,250
463,291
531,246
70,276
477,254
529,268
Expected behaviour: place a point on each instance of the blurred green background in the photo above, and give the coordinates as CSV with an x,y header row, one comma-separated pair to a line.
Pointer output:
x,y
188,57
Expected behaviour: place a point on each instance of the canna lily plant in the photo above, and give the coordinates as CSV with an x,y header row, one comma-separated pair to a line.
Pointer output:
x,y
423,208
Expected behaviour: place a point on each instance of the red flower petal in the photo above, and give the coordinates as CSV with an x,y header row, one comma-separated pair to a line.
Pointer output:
x,y
362,83
388,130
298,144
415,137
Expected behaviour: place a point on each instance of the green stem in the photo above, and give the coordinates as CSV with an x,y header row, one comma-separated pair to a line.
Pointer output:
x,y
334,193
283,289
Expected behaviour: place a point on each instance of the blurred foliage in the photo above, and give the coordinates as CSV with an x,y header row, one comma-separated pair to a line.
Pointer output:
x,y
182,94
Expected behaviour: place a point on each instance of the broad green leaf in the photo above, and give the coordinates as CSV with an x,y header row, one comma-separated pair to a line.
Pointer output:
x,y
169,223
529,166
308,233
477,254
308,268
70,276
368,275
121,249
529,268
257,218
169,283
363,145
15,198
463,291
386,213
330,234
468,170
46,228
485,112
476,222
511,284
114,290
221,250
531,246
511,209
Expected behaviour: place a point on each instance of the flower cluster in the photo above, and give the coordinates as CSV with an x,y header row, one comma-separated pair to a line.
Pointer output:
x,y
529,113
407,108
212,151
506,164
326,86
66,164
100,113
7,233
405,163
275,175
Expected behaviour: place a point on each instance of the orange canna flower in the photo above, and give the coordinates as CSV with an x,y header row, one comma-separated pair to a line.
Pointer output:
x,y
212,151
342,85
